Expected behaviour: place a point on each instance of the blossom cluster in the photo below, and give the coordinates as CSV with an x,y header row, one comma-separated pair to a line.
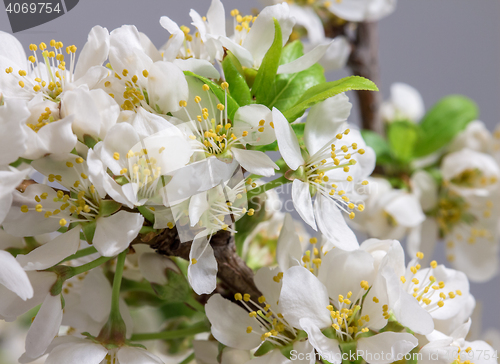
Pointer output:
x,y
132,176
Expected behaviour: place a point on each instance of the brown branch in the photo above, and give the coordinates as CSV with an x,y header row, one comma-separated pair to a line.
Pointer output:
x,y
363,61
235,275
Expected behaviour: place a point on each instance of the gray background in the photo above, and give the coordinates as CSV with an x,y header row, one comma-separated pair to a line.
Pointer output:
x,y
438,46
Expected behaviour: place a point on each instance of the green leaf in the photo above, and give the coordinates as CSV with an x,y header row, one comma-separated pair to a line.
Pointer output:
x,y
147,213
108,207
402,136
443,122
176,290
89,231
232,105
378,144
89,141
289,87
264,81
238,87
323,91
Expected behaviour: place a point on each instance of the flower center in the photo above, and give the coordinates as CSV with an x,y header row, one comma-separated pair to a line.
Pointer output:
x,y
51,83
242,25
340,158
427,290
270,325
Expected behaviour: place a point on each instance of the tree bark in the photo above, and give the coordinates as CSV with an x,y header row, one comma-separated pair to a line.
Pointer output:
x,y
235,275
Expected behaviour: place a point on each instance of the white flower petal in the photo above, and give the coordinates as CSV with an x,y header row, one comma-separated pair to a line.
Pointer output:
x,y
14,277
45,326
174,44
303,296
333,225
309,19
243,55
96,295
57,138
229,324
302,202
161,93
202,275
327,348
247,118
12,136
288,249
405,307
94,52
77,353
406,210
131,355
306,61
287,141
325,120
201,67
12,306
261,34
153,267
350,267
255,162
393,344
273,356
12,49
51,253
113,234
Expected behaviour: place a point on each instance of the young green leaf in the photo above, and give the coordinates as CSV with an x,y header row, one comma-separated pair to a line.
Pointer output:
x,y
378,144
290,87
238,87
443,122
323,91
232,105
402,136
264,81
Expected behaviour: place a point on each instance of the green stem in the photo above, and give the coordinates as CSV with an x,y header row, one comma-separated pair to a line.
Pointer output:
x,y
117,282
91,265
147,229
191,301
81,253
114,331
267,186
175,334
189,359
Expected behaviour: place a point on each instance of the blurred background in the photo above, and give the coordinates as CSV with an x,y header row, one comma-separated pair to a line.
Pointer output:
x,y
439,47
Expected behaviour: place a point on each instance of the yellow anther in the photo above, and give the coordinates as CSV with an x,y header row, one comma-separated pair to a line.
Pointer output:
x,y
352,215
339,136
361,151
116,156
440,303
24,208
420,255
249,329
145,73
21,83
197,99
403,279
238,297
415,281
69,164
79,160
62,222
220,107
206,87
183,103
434,264
224,85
